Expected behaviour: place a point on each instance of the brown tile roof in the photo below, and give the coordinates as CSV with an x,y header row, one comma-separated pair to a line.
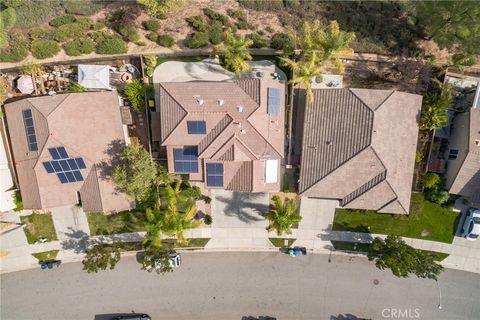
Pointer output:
x,y
87,125
467,181
242,180
239,127
359,147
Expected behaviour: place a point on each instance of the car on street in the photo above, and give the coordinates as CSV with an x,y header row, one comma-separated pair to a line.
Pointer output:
x,y
133,316
471,226
175,261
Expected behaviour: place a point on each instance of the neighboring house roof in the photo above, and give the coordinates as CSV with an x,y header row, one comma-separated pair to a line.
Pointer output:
x,y
240,127
359,146
88,125
467,180
92,76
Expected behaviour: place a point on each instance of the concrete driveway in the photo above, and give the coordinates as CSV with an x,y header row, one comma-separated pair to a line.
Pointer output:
x,y
237,222
70,223
465,254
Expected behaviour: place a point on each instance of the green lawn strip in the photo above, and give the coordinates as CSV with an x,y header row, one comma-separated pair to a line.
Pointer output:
x,y
280,242
122,222
363,247
39,225
46,255
138,246
430,222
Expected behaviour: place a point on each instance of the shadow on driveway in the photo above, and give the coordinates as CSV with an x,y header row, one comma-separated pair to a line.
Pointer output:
x,y
243,206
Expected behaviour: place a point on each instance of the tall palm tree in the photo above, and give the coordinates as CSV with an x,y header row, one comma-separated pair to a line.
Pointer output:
x,y
435,108
174,223
282,215
153,237
305,71
234,53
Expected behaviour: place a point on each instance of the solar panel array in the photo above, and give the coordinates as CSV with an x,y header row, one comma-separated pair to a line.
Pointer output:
x,y
196,127
30,130
186,160
67,169
274,100
215,174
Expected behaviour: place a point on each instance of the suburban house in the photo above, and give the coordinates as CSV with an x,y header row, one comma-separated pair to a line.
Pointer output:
x,y
227,135
63,146
462,174
358,147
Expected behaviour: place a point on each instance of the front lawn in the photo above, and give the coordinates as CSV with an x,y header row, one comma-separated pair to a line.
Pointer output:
x,y
427,221
122,222
46,255
39,225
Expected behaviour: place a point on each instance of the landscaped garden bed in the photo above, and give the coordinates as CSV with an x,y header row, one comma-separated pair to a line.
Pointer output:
x,y
280,242
46,255
39,227
427,221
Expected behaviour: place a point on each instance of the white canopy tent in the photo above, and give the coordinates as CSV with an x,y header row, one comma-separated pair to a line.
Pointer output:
x,y
25,84
93,76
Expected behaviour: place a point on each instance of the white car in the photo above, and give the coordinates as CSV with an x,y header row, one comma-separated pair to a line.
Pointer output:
x,y
471,226
174,261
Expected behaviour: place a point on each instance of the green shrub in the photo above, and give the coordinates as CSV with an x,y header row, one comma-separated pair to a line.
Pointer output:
x,y
140,43
68,31
17,49
60,21
244,25
75,87
437,196
281,41
258,41
215,34
42,49
261,32
129,32
152,36
199,23
151,63
431,180
8,18
262,5
100,36
269,29
17,200
151,25
237,14
217,16
207,219
135,92
79,46
41,33
165,41
98,25
111,45
3,39
197,40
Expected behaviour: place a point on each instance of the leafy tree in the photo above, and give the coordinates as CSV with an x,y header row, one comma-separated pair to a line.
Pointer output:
x,y
151,63
431,180
42,49
162,7
157,254
135,92
75,87
435,109
437,196
304,73
282,216
234,53
402,259
451,24
136,173
282,41
31,69
101,257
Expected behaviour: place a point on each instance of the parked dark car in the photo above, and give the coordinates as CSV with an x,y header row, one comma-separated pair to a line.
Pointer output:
x,y
133,316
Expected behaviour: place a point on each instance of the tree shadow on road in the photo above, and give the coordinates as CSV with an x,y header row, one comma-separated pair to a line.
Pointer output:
x,y
243,206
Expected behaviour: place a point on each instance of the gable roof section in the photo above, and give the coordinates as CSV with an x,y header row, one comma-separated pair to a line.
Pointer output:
x,y
71,121
251,87
467,181
372,164
171,113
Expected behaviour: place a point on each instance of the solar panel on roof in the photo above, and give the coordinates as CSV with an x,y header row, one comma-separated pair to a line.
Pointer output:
x,y
54,153
72,164
67,169
48,167
62,177
196,127
78,175
64,165
215,174
56,166
274,100
30,130
63,153
186,160
80,163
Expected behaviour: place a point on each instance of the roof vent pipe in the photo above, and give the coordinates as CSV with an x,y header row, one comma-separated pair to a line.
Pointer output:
x,y
239,108
200,102
220,102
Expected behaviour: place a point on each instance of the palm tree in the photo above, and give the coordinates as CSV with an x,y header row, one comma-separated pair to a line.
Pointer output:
x,y
282,215
435,109
305,71
153,237
174,223
234,53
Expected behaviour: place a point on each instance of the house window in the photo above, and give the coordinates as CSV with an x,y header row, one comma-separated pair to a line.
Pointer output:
x,y
215,174
30,130
186,160
196,127
273,104
452,155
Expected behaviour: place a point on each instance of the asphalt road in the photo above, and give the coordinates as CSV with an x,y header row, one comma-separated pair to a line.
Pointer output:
x,y
236,286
